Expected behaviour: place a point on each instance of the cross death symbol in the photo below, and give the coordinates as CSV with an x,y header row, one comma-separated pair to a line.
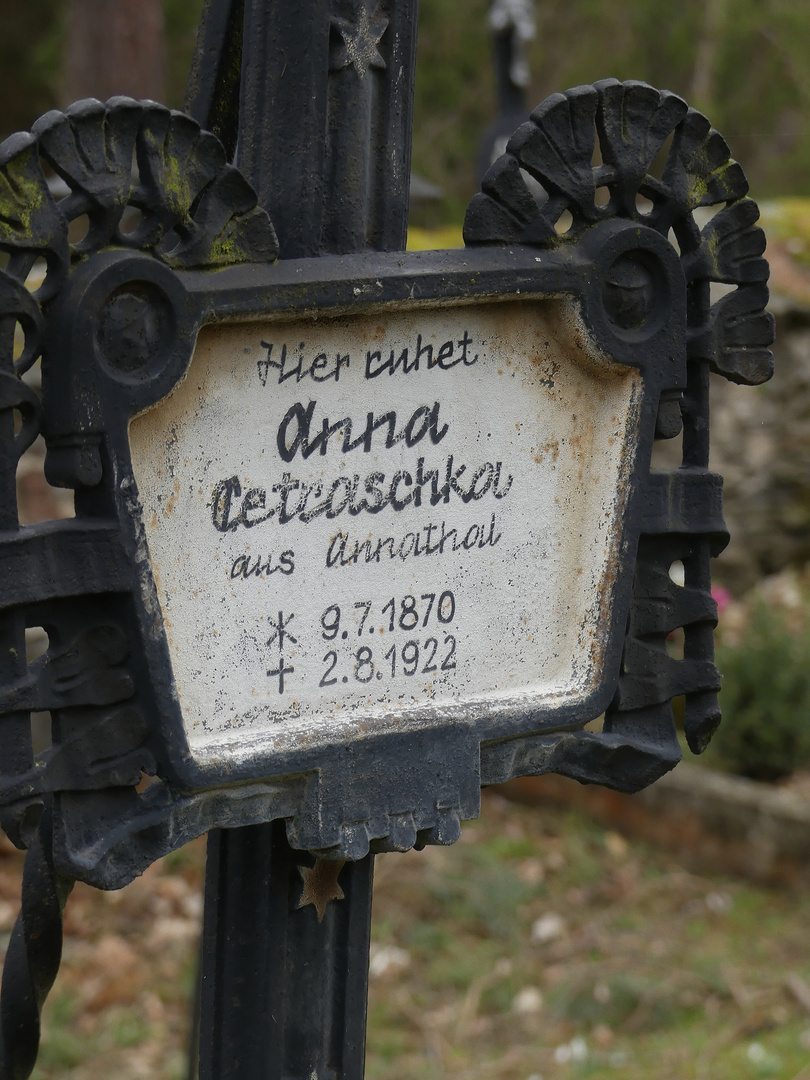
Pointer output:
x,y
281,671
280,630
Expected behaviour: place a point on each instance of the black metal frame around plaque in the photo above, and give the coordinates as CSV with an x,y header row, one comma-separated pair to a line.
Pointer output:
x,y
200,252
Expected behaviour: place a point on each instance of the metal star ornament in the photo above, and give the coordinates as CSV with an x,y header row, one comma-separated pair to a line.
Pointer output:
x,y
357,42
320,884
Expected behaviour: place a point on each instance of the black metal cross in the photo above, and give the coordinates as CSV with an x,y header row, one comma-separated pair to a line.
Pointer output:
x,y
329,188
312,101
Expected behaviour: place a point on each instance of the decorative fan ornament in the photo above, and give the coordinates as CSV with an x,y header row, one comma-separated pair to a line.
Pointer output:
x,y
121,159
608,136
117,158
628,125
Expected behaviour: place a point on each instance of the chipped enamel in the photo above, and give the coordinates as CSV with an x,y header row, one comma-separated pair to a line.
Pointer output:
x,y
525,565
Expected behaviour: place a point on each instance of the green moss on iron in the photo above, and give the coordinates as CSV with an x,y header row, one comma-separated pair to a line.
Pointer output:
x,y
22,194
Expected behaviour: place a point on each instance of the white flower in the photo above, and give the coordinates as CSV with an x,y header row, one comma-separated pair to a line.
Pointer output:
x,y
547,928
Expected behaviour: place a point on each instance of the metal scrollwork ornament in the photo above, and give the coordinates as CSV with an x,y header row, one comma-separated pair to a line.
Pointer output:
x,y
607,139
107,213
121,175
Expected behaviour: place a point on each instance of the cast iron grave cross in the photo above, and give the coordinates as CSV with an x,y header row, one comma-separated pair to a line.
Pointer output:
x,y
357,530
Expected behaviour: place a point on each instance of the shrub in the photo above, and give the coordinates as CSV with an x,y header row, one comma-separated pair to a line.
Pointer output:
x,y
765,733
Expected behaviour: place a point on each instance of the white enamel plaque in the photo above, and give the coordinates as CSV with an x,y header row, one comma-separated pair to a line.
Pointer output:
x,y
351,520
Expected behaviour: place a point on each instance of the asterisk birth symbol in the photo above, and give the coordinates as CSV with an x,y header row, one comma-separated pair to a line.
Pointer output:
x,y
280,630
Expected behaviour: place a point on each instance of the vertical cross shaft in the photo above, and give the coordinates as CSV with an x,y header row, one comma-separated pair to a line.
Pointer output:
x,y
322,113
284,991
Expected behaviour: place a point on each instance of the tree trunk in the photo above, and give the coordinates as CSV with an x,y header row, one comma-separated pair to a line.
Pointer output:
x,y
114,47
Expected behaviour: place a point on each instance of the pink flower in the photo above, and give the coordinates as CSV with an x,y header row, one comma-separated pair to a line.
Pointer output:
x,y
722,597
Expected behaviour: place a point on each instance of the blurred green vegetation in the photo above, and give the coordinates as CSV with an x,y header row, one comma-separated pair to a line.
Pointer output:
x,y
31,56
643,969
743,62
765,698
30,48
182,17
540,945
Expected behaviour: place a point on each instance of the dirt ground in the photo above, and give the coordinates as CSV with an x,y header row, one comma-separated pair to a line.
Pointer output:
x,y
541,946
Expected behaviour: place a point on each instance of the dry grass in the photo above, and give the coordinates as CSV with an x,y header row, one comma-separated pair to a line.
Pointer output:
x,y
541,946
